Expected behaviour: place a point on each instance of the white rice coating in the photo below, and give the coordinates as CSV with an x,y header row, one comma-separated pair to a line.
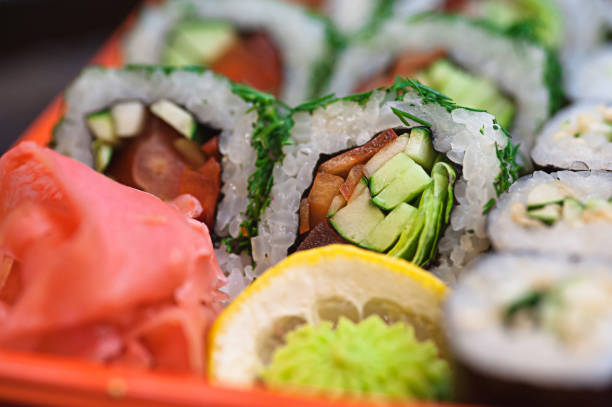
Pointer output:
x,y
478,337
342,125
516,67
590,78
556,145
207,96
588,239
301,38
350,16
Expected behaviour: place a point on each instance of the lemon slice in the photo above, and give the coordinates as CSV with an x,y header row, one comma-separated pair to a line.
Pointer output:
x,y
320,285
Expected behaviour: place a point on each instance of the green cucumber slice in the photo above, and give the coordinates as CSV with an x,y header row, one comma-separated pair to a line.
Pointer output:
x,y
544,194
547,214
357,219
103,153
572,210
407,185
387,231
177,117
202,42
420,147
101,125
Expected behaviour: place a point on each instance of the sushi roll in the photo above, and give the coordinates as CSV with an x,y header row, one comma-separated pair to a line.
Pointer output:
x,y
573,28
527,330
590,79
514,79
271,45
563,212
393,170
175,131
577,138
353,17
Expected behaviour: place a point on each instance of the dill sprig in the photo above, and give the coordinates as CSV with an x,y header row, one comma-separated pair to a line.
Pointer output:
x,y
270,134
509,168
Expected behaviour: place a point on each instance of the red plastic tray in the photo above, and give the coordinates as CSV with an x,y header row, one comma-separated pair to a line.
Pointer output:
x,y
42,380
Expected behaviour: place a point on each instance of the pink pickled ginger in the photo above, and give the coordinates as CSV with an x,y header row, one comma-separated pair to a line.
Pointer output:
x,y
94,269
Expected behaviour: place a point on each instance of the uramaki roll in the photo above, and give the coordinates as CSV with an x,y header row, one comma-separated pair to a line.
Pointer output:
x,y
274,46
476,64
176,131
404,157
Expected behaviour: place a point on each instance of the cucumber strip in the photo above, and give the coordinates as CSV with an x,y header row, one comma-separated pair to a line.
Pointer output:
x,y
103,153
177,117
420,147
386,232
357,219
101,125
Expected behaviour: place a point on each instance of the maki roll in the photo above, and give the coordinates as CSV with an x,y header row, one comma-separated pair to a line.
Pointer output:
x,y
571,27
393,170
577,138
271,45
353,17
564,212
171,132
514,79
589,79
532,331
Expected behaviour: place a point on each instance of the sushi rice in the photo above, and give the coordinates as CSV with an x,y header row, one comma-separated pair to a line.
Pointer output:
x,y
523,70
302,38
577,138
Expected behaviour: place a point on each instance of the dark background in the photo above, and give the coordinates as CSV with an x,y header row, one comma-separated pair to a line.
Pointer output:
x,y
43,46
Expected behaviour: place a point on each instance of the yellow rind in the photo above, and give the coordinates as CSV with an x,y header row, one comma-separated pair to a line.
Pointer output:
x,y
310,258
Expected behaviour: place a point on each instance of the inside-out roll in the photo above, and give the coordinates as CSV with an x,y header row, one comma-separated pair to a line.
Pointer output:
x,y
274,46
532,330
171,132
578,138
563,212
395,170
474,63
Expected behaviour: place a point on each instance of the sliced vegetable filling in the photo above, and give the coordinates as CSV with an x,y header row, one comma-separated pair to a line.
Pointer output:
x,y
392,195
244,57
554,202
543,16
159,149
434,70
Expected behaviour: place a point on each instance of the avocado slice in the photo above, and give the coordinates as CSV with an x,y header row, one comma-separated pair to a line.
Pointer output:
x,y
547,214
386,232
544,194
420,147
410,181
406,245
103,153
358,218
101,125
436,205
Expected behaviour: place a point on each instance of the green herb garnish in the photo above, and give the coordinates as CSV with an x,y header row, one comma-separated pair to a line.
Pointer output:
x,y
270,134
